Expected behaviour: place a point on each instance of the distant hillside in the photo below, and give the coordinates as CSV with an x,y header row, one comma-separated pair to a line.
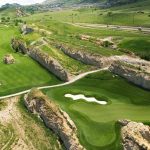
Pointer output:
x,y
71,2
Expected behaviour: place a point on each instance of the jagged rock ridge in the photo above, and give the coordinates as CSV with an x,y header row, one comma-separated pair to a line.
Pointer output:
x,y
54,118
135,136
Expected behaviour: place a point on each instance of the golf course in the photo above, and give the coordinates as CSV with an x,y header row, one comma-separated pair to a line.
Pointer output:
x,y
90,61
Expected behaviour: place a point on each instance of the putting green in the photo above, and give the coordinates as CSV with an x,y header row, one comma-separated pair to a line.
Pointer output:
x,y
25,73
97,124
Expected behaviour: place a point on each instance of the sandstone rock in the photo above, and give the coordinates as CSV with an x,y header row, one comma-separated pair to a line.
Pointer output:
x,y
135,136
26,29
106,42
87,58
49,63
19,46
54,118
85,37
133,72
20,12
8,59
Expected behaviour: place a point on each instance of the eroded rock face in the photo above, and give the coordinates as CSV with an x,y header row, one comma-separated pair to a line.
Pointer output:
x,y
87,58
134,73
26,29
49,63
135,136
8,59
19,46
54,118
43,58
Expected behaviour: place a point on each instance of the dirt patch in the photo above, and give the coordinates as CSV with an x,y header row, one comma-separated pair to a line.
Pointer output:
x,y
22,132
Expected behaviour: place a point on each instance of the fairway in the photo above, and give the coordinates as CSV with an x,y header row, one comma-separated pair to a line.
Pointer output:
x,y
97,124
25,72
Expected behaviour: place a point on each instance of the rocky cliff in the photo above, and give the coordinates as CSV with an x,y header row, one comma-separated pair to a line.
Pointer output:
x,y
135,136
134,73
54,118
43,58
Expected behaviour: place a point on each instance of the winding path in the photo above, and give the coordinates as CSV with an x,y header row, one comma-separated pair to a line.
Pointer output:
x,y
76,78
116,27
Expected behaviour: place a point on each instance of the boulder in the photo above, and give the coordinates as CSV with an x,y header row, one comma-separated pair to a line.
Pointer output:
x,y
54,118
85,37
135,136
26,29
8,59
106,42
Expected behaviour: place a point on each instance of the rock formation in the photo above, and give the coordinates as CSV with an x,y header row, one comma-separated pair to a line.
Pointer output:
x,y
43,58
54,118
135,136
133,72
8,59
20,12
85,57
26,29
19,46
49,63
105,42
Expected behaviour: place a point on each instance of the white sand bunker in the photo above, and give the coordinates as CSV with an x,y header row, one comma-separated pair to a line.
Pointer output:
x,y
88,99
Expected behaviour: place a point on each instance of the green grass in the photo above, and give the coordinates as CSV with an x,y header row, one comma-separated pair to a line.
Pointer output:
x,y
96,123
120,16
25,73
140,46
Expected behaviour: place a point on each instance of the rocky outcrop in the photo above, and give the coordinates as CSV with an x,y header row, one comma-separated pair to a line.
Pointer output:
x,y
19,46
8,59
54,118
26,29
20,12
135,136
43,58
134,73
85,57
103,42
49,63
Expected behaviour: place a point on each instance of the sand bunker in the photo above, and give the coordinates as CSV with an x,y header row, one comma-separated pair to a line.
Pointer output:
x,y
88,99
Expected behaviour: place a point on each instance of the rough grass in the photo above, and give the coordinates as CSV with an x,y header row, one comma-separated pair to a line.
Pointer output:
x,y
97,123
140,46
